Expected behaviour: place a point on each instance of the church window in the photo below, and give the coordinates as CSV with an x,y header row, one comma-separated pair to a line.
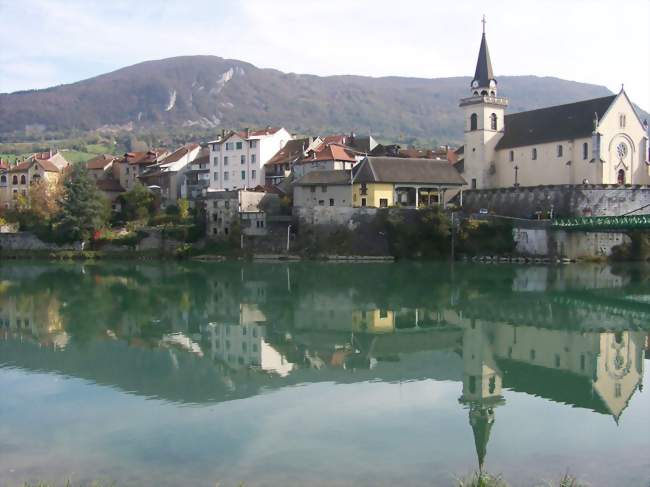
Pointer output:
x,y
534,154
585,151
512,156
560,150
621,177
473,122
621,121
492,384
473,183
493,121
617,390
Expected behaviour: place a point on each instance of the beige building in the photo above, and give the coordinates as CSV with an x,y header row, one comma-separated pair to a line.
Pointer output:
x,y
598,141
16,180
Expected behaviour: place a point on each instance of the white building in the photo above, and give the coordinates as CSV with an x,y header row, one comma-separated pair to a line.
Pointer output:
x,y
237,159
598,141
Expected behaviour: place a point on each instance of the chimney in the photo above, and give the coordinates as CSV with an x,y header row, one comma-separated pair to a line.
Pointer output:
x,y
223,134
248,132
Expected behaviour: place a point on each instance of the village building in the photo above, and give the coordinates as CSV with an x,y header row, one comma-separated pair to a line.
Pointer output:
x,y
327,156
237,159
243,208
598,141
279,167
16,180
381,182
101,167
128,168
166,177
323,188
197,176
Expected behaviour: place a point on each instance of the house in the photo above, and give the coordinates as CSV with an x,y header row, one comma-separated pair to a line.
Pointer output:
x,y
598,141
237,159
166,176
133,164
328,156
381,182
281,164
16,180
101,167
243,207
323,188
111,189
197,176
361,144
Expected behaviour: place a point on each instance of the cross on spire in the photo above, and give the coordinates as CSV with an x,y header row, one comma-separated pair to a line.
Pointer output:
x,y
483,21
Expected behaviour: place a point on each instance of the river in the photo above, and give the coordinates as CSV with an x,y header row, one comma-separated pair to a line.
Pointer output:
x,y
323,374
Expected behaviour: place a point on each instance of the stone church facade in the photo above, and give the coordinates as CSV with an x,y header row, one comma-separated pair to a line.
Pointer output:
x,y
598,141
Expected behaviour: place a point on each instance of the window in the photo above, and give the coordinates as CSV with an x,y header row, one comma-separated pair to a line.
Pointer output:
x,y
216,176
323,189
383,203
239,145
364,188
321,202
23,179
473,183
253,159
331,201
621,121
226,204
560,150
585,151
472,384
225,176
312,189
534,154
621,177
216,147
473,121
253,174
363,202
492,384
243,174
557,361
512,156
242,159
252,144
532,355
493,121
3,179
229,145
617,390
582,362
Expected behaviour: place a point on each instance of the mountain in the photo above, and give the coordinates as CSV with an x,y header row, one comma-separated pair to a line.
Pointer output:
x,y
212,92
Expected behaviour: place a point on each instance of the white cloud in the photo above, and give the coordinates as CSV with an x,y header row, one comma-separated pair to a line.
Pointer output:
x,y
581,40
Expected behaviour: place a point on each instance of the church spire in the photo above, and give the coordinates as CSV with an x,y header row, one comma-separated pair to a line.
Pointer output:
x,y
481,419
484,82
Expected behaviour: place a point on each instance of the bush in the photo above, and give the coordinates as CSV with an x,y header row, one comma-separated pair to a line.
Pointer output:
x,y
477,237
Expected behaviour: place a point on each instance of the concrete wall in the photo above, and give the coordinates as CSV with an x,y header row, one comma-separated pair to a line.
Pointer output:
x,y
29,241
311,196
565,201
325,215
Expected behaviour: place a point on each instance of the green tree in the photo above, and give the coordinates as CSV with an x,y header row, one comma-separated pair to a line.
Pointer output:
x,y
183,208
137,204
84,210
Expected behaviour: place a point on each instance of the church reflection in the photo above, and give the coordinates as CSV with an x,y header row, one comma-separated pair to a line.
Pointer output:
x,y
212,338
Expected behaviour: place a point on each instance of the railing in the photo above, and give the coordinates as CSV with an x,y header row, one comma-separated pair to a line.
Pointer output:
x,y
595,223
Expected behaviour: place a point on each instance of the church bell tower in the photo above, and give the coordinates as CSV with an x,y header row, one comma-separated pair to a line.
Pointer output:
x,y
484,114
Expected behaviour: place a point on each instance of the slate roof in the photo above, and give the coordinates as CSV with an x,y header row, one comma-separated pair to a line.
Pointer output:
x,y
179,153
315,178
411,171
562,122
483,73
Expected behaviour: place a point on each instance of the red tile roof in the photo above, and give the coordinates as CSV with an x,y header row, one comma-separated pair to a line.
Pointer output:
x,y
101,161
20,167
178,154
48,166
329,152
252,133
291,152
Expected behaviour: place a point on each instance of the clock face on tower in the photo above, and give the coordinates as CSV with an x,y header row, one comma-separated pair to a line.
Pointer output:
x,y
474,84
493,84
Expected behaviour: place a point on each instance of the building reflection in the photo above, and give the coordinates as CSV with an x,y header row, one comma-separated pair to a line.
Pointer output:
x,y
201,338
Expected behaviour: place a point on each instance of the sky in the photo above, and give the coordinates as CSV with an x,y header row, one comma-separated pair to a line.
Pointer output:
x,y
605,42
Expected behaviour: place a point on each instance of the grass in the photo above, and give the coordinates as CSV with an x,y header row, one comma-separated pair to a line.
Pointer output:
x,y
487,480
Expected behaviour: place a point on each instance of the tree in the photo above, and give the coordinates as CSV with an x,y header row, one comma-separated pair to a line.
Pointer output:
x,y
84,210
183,209
138,203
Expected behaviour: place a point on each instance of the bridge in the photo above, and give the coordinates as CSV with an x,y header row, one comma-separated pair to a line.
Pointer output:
x,y
598,223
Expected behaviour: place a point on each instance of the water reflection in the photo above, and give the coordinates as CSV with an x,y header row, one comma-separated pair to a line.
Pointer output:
x,y
203,334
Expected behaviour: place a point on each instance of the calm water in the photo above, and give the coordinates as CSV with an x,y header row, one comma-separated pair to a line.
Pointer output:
x,y
316,374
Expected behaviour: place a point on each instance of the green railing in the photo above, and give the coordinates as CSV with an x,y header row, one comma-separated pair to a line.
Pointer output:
x,y
596,223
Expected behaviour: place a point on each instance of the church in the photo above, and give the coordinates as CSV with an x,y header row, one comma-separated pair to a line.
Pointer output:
x,y
598,141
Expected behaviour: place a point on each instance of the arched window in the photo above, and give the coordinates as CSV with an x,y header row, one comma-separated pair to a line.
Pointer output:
x,y
493,121
3,179
14,180
23,179
484,92
492,385
534,155
585,151
621,177
473,122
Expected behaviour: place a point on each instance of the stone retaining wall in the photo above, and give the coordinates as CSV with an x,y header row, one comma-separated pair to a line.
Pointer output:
x,y
563,201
